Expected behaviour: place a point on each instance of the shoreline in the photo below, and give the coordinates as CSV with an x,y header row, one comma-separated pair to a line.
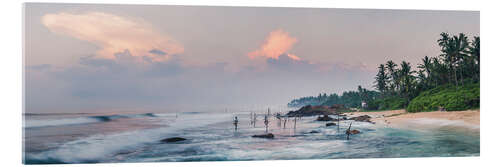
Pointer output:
x,y
468,120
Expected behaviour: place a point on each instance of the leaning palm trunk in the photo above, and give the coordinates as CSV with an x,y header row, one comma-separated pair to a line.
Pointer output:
x,y
461,76
456,79
450,77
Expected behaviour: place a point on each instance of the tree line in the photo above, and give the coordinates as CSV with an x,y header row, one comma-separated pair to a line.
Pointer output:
x,y
397,84
351,99
458,64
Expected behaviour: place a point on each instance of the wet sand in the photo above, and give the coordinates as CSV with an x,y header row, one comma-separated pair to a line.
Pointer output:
x,y
464,120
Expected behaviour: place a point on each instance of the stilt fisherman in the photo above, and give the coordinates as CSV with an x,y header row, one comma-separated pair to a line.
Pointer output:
x,y
235,122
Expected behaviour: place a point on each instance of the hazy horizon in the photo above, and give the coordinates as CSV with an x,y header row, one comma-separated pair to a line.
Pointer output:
x,y
94,57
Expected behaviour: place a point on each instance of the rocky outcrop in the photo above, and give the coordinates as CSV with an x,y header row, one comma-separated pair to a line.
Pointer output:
x,y
330,124
317,110
172,140
324,118
338,106
314,131
353,132
310,111
267,136
363,118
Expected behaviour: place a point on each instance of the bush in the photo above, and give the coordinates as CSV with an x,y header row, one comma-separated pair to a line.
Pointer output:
x,y
448,97
388,103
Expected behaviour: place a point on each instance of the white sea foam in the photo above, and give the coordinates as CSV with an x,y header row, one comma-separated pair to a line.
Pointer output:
x,y
36,123
98,147
104,148
444,122
59,122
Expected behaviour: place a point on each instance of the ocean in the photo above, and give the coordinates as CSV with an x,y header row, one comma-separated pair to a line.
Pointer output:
x,y
135,137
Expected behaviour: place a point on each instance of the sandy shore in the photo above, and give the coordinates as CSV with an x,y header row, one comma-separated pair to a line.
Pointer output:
x,y
466,120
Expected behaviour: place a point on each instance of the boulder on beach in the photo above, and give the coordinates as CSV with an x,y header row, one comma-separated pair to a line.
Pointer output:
x,y
314,131
363,118
338,106
324,118
173,139
267,136
311,111
353,132
330,124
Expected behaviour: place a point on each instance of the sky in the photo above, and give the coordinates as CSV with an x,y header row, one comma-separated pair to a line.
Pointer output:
x,y
98,58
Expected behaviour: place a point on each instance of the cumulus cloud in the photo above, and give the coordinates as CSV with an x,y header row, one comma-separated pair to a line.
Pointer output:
x,y
114,34
287,62
277,43
117,77
122,83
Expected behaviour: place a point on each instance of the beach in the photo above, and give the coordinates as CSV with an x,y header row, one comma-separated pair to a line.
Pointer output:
x,y
211,136
458,120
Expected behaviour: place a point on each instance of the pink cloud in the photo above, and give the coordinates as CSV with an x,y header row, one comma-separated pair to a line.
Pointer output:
x,y
277,43
293,57
114,34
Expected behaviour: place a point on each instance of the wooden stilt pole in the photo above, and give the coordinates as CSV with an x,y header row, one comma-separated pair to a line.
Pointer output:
x,y
284,124
266,122
338,122
294,122
348,132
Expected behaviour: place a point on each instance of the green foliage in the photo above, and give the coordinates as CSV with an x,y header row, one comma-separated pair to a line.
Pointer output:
x,y
350,99
310,100
381,79
388,103
399,86
448,97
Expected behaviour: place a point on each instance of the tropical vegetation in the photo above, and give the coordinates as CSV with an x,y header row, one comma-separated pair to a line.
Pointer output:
x,y
449,81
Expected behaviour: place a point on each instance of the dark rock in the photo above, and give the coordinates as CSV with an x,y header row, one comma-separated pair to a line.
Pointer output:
x,y
338,106
173,139
353,132
298,135
312,111
314,131
330,124
363,118
324,118
267,136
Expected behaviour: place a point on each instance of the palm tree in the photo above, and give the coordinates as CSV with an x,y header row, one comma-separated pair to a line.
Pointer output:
x,y
381,79
422,80
474,51
360,92
439,72
454,50
444,42
460,53
407,79
363,93
427,66
391,68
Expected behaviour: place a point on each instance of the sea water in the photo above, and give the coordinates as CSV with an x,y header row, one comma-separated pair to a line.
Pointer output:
x,y
104,138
